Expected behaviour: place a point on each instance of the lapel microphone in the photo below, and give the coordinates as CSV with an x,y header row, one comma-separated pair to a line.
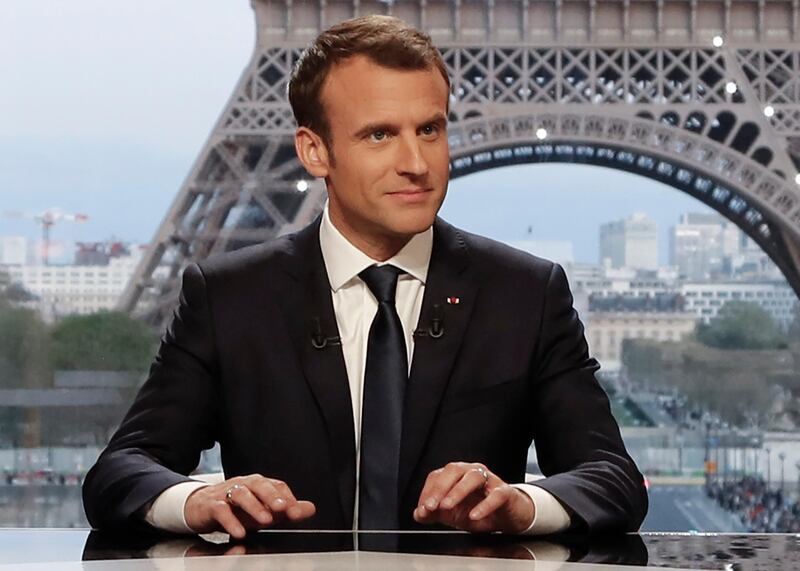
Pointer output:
x,y
435,328
319,340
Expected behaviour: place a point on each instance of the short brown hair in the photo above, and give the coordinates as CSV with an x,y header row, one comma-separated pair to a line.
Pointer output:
x,y
385,40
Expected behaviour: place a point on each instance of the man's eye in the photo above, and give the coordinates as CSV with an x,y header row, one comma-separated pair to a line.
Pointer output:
x,y
378,135
430,129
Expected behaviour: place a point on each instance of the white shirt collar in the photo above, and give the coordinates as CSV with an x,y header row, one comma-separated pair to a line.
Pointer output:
x,y
343,261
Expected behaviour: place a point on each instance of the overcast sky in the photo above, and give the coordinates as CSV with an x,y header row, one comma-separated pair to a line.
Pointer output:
x,y
105,104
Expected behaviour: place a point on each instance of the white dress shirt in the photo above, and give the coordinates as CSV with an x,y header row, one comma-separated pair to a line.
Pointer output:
x,y
355,307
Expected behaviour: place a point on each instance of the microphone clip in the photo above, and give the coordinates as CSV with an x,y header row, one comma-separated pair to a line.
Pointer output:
x,y
319,340
435,329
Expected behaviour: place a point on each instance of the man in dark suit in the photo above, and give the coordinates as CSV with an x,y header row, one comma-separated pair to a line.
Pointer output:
x,y
379,369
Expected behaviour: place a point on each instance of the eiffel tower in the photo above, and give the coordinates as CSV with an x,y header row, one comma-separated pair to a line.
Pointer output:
x,y
702,95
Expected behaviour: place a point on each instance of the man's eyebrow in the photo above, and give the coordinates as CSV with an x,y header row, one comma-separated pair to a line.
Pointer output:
x,y
438,118
372,127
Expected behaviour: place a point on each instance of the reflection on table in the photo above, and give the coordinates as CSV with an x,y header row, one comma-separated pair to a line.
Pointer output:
x,y
626,549
739,552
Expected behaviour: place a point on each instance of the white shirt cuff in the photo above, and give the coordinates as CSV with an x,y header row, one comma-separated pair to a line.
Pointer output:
x,y
166,512
549,515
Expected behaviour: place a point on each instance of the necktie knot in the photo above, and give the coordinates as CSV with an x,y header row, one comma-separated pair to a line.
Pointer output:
x,y
382,281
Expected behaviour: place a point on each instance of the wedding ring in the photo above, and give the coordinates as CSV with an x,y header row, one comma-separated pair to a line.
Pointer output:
x,y
482,471
229,492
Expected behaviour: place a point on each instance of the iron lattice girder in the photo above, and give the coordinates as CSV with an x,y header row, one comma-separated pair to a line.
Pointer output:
x,y
734,185
515,75
544,21
587,75
665,101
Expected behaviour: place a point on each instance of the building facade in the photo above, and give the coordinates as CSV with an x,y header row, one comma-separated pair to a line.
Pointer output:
x,y
704,300
75,289
630,243
704,246
613,319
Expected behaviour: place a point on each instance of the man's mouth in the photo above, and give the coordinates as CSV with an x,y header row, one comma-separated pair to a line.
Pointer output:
x,y
413,190
412,195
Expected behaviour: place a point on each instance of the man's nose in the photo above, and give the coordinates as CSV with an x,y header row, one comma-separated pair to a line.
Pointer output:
x,y
410,160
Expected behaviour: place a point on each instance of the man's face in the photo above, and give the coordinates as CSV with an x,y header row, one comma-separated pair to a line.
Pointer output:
x,y
390,166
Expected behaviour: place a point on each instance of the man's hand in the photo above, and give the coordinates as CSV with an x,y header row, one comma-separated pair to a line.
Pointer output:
x,y
254,502
469,497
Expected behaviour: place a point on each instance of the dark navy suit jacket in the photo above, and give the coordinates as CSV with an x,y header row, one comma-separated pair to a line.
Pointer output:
x,y
237,365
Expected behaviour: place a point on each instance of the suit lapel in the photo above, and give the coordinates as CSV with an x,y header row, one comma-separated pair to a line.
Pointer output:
x,y
449,276
324,368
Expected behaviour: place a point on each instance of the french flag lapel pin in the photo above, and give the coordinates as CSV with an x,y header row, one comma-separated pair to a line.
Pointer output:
x,y
452,300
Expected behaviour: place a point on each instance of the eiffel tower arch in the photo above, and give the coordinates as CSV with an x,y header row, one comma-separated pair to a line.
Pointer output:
x,y
703,95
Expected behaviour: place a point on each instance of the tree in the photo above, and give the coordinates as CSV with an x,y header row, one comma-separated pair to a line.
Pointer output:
x,y
641,360
24,361
103,341
741,325
736,384
24,348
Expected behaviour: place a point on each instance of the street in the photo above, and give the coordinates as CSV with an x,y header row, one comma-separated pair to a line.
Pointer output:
x,y
687,508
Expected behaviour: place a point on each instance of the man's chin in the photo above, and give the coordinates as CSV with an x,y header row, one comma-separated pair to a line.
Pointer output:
x,y
409,228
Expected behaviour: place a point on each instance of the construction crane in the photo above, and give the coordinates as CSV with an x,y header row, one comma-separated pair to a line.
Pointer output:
x,y
47,220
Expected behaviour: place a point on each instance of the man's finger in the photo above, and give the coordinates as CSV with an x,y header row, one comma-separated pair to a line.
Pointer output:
x,y
497,498
242,497
472,481
224,516
423,515
301,510
439,483
273,493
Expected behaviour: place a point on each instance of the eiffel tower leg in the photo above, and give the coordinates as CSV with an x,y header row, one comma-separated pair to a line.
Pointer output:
x,y
247,186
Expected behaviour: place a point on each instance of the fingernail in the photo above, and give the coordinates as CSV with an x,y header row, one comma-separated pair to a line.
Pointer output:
x,y
294,512
476,514
431,504
447,503
265,517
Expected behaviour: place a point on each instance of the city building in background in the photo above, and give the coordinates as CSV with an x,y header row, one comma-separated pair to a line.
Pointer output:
x,y
751,263
613,318
704,245
92,283
604,280
630,243
705,299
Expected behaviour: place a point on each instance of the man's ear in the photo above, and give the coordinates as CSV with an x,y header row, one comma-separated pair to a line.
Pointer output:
x,y
312,152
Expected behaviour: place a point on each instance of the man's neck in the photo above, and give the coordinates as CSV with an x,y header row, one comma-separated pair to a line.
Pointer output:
x,y
378,248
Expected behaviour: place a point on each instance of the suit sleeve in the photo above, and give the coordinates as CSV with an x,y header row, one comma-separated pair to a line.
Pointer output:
x,y
578,442
169,423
